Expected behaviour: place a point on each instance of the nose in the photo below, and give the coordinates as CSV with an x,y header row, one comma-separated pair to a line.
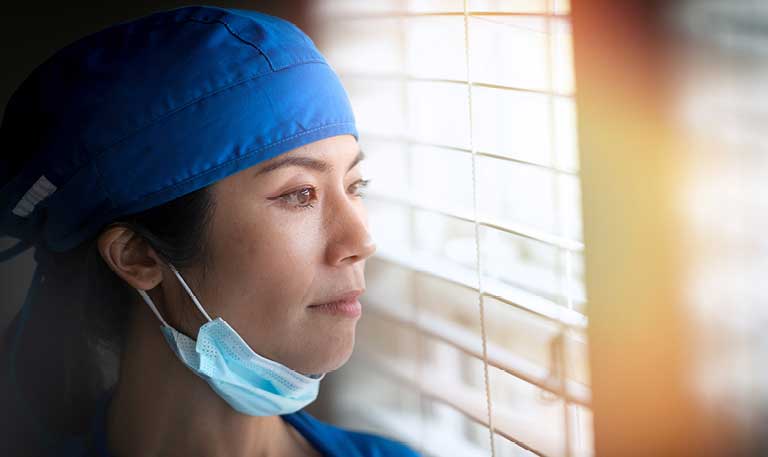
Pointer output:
x,y
349,240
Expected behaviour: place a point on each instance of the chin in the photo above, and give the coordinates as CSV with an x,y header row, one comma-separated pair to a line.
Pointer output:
x,y
325,362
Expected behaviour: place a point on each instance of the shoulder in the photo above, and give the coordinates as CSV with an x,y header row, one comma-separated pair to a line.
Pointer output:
x,y
335,440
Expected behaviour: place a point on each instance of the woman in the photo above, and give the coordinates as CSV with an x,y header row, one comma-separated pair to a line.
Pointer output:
x,y
191,184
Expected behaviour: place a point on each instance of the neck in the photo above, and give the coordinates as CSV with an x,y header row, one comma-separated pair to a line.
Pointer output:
x,y
161,408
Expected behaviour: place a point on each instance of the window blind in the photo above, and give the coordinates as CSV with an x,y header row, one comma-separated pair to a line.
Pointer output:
x,y
473,337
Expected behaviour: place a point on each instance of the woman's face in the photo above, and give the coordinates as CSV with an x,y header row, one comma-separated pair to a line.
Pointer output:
x,y
286,235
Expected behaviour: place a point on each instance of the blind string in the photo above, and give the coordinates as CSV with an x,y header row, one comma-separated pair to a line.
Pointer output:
x,y
481,304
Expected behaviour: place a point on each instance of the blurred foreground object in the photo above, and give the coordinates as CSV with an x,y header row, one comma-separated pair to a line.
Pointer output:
x,y
670,96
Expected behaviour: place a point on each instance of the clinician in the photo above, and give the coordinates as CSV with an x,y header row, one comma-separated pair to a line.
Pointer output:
x,y
190,182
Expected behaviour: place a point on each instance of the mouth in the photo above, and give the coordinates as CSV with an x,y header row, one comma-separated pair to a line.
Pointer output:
x,y
345,304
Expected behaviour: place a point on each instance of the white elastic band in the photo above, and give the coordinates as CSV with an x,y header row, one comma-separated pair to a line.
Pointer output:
x,y
152,306
191,294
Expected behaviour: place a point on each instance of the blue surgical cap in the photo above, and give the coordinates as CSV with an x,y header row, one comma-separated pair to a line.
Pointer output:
x,y
148,110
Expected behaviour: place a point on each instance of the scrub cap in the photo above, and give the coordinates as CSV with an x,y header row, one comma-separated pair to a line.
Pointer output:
x,y
148,110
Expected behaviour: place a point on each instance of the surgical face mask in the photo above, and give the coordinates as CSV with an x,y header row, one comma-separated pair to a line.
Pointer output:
x,y
250,383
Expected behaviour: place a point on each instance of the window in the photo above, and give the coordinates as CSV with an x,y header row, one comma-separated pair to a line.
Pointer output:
x,y
473,340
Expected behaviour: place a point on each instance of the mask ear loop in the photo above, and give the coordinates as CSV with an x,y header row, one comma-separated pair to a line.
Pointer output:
x,y
317,377
191,294
152,306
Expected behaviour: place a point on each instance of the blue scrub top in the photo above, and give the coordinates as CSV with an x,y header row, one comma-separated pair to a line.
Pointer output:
x,y
329,440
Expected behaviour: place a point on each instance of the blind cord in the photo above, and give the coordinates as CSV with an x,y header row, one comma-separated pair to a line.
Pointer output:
x,y
481,304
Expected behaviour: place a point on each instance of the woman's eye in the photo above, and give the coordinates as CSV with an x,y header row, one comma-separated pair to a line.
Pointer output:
x,y
306,196
359,186
300,199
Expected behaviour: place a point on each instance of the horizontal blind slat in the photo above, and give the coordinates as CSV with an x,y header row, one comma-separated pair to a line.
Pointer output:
x,y
404,14
467,403
520,299
506,227
436,327
364,135
408,78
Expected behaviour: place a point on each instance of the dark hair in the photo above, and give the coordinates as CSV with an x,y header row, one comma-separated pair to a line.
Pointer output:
x,y
78,320
176,230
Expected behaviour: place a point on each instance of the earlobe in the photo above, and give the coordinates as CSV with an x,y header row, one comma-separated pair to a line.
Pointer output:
x,y
130,257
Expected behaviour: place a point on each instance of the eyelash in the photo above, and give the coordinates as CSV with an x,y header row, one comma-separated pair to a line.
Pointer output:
x,y
361,183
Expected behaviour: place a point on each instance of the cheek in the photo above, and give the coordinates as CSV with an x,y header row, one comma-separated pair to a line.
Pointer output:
x,y
270,262
264,273
282,247
286,263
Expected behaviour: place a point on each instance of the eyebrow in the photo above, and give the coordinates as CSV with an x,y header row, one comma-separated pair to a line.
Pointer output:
x,y
307,162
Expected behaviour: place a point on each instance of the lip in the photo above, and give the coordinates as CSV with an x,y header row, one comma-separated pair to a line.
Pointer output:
x,y
347,296
345,304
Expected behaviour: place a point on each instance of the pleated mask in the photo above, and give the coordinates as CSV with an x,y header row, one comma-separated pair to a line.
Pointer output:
x,y
248,382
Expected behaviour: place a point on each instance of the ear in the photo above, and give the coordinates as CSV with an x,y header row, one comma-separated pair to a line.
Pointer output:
x,y
131,257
